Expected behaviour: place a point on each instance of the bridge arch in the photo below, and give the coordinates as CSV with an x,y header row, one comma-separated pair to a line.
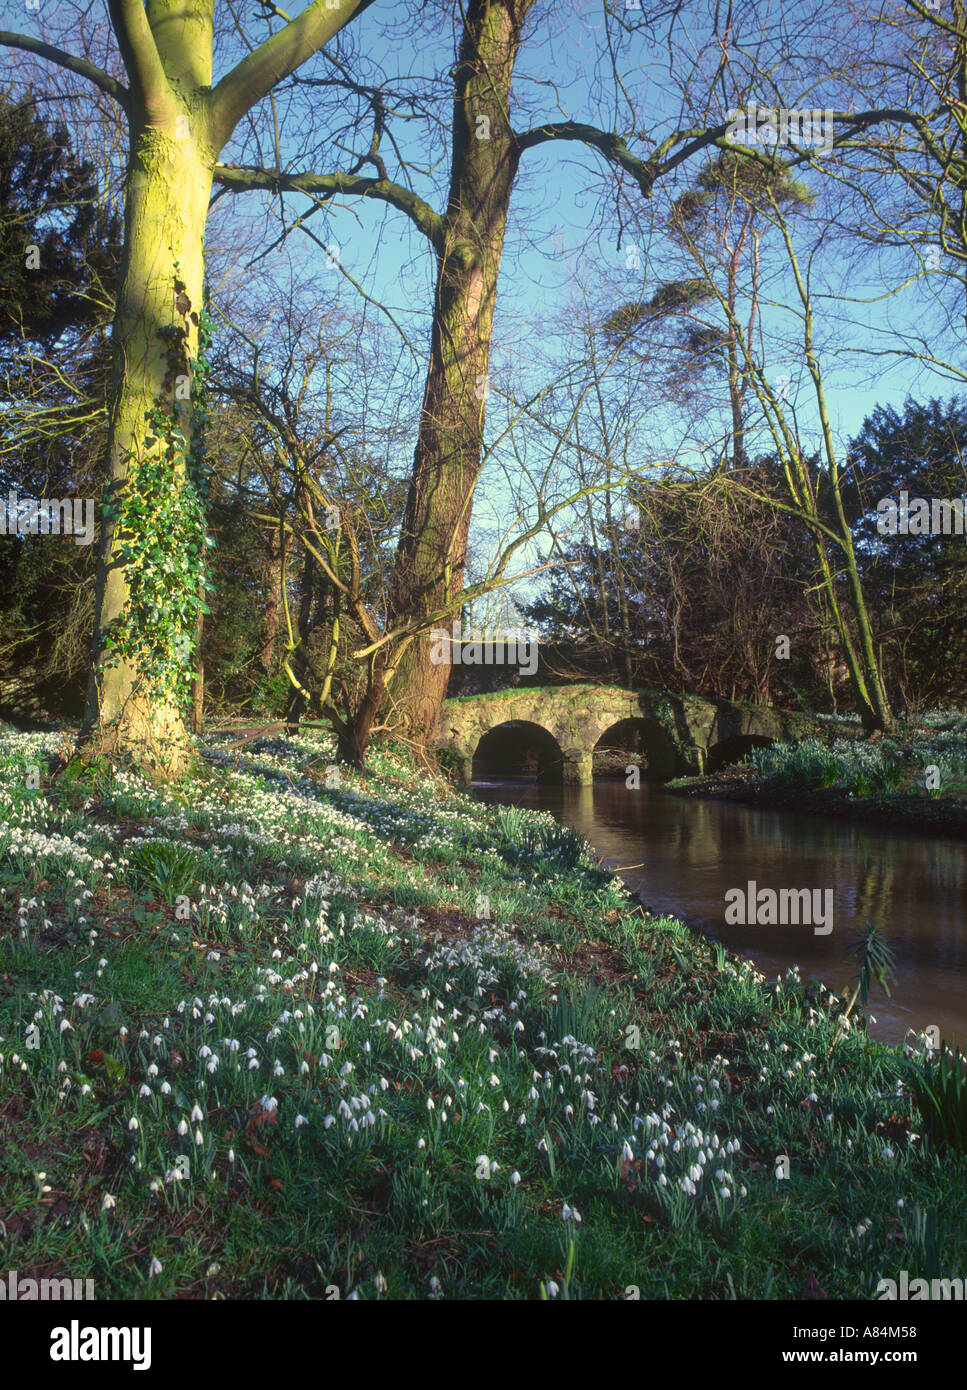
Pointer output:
x,y
518,748
649,738
734,750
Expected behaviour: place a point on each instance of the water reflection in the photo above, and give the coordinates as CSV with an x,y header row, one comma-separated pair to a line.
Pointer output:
x,y
692,852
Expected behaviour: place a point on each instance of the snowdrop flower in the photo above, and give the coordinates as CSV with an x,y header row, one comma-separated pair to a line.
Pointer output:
x,y
133,1122
514,1178
108,1203
196,1114
552,1290
154,1268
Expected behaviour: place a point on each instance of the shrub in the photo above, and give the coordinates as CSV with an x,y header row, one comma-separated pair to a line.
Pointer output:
x,y
170,868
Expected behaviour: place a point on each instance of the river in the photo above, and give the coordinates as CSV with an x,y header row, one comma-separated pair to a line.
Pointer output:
x,y
691,852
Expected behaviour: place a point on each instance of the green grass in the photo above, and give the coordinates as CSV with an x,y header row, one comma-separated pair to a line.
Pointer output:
x,y
384,1040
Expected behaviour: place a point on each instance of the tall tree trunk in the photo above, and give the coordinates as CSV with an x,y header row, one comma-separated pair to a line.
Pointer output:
x,y
152,527
433,541
134,708
353,736
273,602
198,700
735,374
296,706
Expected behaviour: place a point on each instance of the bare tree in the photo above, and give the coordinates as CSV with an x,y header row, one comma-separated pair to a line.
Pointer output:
x,y
483,149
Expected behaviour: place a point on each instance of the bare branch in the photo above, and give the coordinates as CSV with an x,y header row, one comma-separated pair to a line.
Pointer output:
x,y
613,147
279,56
429,222
80,66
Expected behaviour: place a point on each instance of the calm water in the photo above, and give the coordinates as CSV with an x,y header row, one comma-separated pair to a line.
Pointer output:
x,y
691,852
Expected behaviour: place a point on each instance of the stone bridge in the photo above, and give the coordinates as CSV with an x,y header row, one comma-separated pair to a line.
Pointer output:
x,y
682,735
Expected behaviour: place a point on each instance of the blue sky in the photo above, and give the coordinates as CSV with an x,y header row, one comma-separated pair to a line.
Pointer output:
x,y
556,238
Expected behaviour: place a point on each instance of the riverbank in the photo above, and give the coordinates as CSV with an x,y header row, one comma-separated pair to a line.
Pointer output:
x,y
283,1033
890,811
916,780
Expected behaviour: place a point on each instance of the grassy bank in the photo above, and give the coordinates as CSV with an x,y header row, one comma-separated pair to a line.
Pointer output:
x,y
273,1036
915,780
